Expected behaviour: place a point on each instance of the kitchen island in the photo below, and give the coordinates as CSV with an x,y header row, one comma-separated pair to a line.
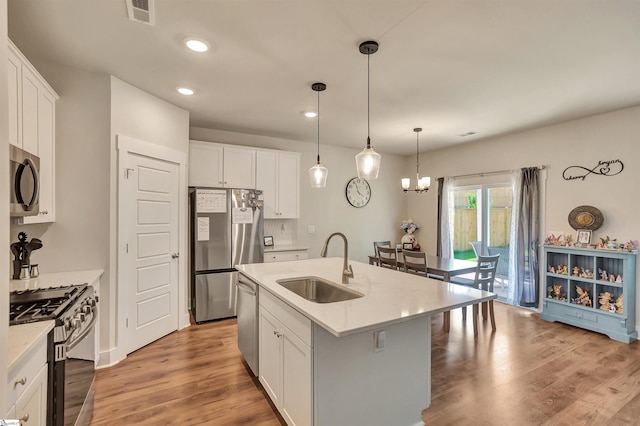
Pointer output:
x,y
360,361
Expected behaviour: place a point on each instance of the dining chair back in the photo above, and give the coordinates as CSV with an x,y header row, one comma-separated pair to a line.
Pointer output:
x,y
387,257
415,262
377,244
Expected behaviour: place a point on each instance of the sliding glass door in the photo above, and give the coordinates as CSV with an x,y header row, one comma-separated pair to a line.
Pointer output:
x,y
482,224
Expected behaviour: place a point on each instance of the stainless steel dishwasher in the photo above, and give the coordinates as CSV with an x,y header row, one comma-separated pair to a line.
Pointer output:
x,y
247,312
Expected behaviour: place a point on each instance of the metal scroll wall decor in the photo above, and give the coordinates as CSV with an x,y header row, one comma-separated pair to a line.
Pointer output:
x,y
603,168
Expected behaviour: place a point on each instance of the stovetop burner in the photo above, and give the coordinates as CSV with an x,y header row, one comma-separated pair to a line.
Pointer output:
x,y
42,304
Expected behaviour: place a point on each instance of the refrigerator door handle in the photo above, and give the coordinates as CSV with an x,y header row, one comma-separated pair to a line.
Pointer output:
x,y
245,288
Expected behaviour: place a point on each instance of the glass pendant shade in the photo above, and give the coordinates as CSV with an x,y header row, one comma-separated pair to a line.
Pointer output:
x,y
318,176
368,163
318,173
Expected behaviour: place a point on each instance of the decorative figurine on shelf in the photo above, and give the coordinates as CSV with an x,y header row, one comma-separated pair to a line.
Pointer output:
x,y
619,303
603,274
576,271
612,278
583,297
555,292
631,245
619,279
605,300
551,269
586,273
562,270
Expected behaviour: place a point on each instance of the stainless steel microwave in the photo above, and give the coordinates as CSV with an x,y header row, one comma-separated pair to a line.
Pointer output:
x,y
25,182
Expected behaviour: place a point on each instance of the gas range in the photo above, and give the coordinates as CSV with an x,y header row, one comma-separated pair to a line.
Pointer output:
x,y
71,346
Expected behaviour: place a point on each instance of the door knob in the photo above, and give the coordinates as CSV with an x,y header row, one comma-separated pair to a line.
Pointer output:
x,y
175,255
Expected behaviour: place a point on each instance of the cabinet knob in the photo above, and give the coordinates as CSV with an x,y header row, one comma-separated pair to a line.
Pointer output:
x,y
21,381
175,255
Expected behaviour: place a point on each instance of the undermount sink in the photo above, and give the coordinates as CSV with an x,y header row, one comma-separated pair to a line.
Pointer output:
x,y
318,290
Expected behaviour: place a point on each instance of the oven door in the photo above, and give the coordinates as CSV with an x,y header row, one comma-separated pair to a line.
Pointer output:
x,y
74,374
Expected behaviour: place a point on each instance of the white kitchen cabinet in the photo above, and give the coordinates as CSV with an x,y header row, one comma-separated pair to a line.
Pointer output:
x,y
283,256
278,176
221,166
32,126
27,387
286,359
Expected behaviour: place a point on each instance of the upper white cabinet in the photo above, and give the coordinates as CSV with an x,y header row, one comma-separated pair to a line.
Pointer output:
x,y
221,166
32,125
278,176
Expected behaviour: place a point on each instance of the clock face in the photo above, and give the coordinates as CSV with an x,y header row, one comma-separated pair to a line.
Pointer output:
x,y
358,192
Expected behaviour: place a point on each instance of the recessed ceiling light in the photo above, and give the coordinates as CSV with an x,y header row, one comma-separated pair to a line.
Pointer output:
x,y
196,45
310,114
185,91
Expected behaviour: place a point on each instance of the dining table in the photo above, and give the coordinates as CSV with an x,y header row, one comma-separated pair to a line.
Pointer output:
x,y
441,266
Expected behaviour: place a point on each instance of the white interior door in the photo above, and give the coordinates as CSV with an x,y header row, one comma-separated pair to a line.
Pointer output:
x,y
149,189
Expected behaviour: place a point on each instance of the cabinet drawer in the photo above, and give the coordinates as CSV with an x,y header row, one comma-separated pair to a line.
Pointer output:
x,y
25,372
289,317
284,256
581,314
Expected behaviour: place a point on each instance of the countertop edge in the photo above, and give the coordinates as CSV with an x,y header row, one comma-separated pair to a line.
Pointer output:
x,y
23,338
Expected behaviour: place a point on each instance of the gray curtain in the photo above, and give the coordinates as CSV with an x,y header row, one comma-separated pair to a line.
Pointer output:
x,y
526,256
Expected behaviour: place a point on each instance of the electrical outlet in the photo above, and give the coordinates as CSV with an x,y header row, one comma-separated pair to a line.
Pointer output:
x,y
378,341
311,229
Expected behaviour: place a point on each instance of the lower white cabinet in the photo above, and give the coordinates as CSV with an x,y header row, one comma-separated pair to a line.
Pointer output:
x,y
27,387
283,256
286,359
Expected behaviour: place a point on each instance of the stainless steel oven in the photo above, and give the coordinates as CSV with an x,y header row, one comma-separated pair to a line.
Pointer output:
x,y
71,347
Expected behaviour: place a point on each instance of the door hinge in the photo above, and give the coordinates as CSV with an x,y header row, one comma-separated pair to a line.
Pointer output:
x,y
127,248
126,322
127,172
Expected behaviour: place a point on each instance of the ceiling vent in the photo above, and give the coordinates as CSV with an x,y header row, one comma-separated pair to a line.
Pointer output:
x,y
142,11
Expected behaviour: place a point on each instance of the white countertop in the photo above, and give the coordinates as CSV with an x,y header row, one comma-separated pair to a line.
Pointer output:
x,y
389,296
56,279
285,247
23,338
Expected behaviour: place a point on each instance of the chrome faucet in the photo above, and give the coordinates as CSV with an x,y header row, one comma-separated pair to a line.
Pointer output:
x,y
347,271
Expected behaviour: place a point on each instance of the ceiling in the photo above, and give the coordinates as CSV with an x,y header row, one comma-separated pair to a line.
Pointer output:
x,y
451,67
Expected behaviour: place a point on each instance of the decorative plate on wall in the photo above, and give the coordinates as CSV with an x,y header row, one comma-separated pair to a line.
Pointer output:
x,y
586,217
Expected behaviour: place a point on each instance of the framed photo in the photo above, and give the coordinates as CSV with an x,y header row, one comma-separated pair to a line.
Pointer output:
x,y
584,236
407,246
268,241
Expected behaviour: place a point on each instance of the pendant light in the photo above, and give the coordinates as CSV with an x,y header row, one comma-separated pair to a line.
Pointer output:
x,y
422,184
368,161
318,173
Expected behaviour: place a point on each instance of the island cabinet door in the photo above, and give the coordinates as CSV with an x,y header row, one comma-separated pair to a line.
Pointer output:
x,y
296,380
270,356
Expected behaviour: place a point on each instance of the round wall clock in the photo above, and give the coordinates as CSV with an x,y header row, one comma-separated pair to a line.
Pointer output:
x,y
358,192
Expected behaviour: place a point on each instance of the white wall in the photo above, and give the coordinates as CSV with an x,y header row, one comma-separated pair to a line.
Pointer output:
x,y
580,142
327,208
144,117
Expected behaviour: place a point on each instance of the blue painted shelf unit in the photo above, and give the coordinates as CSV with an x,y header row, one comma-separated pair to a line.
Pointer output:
x,y
581,292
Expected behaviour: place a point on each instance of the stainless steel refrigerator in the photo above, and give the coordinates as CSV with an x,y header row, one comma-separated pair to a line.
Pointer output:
x,y
226,230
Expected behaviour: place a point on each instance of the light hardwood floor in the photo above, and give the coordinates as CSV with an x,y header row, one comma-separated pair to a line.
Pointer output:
x,y
529,372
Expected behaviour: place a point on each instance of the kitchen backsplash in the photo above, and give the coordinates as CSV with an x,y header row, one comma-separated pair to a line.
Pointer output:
x,y
283,231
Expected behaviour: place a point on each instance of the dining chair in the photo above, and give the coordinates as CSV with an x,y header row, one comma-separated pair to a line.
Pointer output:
x,y
485,275
415,262
387,257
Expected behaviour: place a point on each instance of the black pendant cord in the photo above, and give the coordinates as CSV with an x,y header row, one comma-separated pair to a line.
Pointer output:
x,y
368,100
318,127
417,155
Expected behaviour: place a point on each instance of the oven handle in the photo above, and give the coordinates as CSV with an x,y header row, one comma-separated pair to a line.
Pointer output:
x,y
86,331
